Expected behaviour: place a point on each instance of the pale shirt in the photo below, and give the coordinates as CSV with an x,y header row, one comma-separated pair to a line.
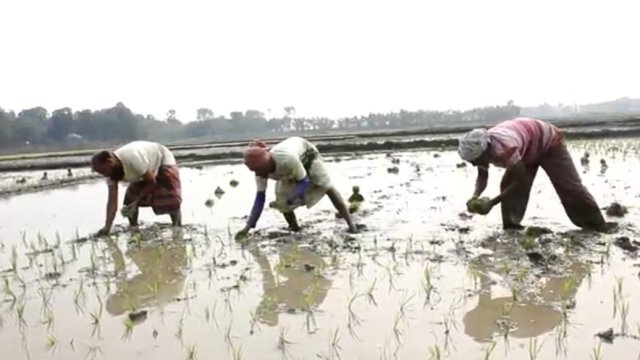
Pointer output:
x,y
521,139
289,156
140,157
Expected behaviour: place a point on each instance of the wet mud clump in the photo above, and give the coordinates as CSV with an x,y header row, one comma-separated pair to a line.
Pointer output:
x,y
617,210
208,203
219,192
537,231
393,170
233,183
461,165
625,244
138,316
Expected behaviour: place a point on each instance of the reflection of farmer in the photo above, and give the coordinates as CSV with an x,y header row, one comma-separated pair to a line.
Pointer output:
x,y
154,179
300,289
521,146
530,319
302,179
160,280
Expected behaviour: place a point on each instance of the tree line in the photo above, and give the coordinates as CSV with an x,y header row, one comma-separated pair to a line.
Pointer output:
x,y
37,127
65,127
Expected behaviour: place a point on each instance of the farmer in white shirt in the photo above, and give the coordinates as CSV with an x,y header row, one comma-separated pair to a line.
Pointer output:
x,y
153,176
301,178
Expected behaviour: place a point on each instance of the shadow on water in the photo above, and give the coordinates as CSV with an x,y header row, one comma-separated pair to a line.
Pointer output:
x,y
160,277
533,313
294,283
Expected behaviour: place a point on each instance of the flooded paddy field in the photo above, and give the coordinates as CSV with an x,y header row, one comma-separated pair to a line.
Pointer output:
x,y
423,280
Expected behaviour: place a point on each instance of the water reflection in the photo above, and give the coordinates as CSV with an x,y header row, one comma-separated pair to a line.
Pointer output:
x,y
295,283
160,278
529,317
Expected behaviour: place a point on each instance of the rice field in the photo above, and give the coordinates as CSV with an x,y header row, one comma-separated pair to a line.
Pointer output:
x,y
423,280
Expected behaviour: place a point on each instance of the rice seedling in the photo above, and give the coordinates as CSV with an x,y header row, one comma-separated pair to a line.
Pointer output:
x,y
95,320
51,343
596,352
353,317
236,353
624,312
20,314
192,352
283,343
522,274
514,292
390,277
334,343
310,319
128,328
488,351
561,340
48,320
370,290
46,299
534,348
254,323
227,335
180,331
408,250
617,296
435,353
397,330
528,243
14,259
9,292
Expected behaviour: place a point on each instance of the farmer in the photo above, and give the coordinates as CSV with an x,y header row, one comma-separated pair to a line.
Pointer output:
x,y
153,177
522,145
301,178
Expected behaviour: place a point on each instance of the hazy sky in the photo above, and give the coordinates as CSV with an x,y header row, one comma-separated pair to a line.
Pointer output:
x,y
331,58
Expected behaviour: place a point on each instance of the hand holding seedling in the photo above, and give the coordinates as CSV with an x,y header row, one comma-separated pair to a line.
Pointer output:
x,y
480,206
242,234
129,210
103,232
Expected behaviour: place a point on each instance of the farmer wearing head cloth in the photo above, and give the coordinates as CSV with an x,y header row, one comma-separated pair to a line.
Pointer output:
x,y
522,145
153,176
301,178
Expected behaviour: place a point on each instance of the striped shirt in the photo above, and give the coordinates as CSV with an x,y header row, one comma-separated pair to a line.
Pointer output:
x,y
521,139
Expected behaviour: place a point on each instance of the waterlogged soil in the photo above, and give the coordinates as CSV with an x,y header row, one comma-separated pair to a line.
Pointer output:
x,y
423,280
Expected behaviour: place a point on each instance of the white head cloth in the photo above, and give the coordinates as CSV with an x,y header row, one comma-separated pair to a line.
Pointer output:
x,y
472,144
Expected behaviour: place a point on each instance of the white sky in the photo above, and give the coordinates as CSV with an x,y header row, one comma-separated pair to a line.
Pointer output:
x,y
329,57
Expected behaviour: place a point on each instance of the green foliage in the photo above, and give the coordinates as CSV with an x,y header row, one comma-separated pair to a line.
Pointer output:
x,y
118,124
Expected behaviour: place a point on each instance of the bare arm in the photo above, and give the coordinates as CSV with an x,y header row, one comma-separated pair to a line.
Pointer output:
x,y
481,181
112,207
519,172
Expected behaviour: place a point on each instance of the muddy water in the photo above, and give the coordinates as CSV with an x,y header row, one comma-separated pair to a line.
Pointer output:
x,y
422,281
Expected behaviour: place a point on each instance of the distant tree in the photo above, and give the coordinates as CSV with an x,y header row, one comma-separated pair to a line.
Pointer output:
x,y
289,111
203,114
62,124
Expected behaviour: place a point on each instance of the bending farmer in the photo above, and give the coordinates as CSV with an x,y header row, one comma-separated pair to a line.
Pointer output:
x,y
522,145
153,177
301,178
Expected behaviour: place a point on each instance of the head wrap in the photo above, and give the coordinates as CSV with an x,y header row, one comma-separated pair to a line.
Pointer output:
x,y
256,154
472,144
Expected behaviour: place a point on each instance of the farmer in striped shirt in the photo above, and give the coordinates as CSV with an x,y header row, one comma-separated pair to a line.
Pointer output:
x,y
521,145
